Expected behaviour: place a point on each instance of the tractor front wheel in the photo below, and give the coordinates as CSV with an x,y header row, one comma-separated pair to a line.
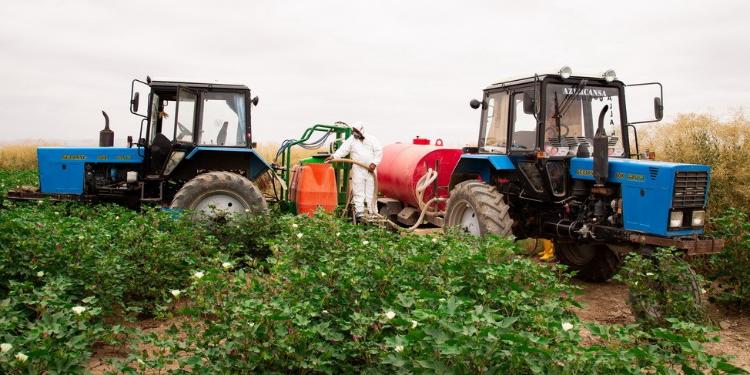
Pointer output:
x,y
479,209
220,195
593,262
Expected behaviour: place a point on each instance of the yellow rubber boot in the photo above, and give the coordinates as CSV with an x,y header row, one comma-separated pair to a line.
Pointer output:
x,y
548,251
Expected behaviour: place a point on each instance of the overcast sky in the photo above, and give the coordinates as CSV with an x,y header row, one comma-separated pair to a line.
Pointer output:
x,y
403,68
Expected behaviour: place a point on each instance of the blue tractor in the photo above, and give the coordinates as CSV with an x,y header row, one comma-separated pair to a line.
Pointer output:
x,y
194,151
555,160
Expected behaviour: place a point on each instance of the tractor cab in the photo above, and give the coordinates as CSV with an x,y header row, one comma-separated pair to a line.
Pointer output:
x,y
555,114
184,118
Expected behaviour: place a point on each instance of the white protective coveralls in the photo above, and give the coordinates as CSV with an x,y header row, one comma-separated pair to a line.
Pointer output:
x,y
367,151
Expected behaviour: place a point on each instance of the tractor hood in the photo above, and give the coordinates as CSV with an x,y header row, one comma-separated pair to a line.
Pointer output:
x,y
62,169
651,189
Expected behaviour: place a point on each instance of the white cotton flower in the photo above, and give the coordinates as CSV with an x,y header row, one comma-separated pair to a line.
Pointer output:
x,y
247,210
413,324
5,347
365,242
21,357
40,274
117,217
251,324
390,314
434,240
175,292
325,311
295,226
226,265
322,274
649,274
399,348
140,361
78,310
198,275
567,326
39,201
299,235
338,234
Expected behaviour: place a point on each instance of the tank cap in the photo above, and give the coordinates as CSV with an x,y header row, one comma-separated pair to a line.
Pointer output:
x,y
420,141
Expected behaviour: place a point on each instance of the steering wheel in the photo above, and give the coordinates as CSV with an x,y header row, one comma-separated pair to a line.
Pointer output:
x,y
564,131
183,131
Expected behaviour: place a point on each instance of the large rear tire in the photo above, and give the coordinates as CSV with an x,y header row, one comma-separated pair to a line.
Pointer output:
x,y
479,209
220,195
593,262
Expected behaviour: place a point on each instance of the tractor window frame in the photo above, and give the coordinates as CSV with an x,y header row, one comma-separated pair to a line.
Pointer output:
x,y
621,101
499,101
520,91
214,96
196,111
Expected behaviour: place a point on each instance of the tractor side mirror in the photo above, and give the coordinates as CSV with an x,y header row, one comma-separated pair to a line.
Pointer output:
x,y
528,103
135,101
476,104
255,101
658,108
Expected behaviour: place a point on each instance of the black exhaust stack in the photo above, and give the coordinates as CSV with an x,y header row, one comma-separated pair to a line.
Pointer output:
x,y
601,151
106,136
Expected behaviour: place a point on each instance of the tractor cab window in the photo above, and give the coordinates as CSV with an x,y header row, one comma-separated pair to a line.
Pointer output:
x,y
223,119
572,114
495,123
162,117
524,126
185,119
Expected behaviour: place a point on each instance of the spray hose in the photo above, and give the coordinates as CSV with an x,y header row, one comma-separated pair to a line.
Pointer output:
x,y
427,179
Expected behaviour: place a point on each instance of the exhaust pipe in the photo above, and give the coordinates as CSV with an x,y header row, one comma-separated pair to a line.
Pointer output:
x,y
601,151
106,136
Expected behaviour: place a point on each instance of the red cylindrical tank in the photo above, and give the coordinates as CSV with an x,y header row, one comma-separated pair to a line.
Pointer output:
x,y
404,164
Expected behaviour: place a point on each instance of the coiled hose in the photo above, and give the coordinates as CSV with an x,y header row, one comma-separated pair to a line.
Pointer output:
x,y
422,184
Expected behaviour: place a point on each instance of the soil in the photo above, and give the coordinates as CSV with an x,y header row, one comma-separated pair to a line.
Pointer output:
x,y
607,303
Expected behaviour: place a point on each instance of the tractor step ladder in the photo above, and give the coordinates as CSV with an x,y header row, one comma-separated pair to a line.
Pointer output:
x,y
149,181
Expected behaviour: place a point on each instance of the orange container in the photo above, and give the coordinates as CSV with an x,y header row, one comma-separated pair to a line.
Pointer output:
x,y
315,187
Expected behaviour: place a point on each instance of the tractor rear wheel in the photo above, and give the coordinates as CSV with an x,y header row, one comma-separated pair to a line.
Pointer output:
x,y
220,195
593,262
479,209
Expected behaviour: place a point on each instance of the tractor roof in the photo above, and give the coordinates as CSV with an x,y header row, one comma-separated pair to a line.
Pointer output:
x,y
174,83
540,76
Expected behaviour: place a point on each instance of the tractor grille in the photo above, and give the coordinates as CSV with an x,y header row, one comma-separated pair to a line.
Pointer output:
x,y
690,189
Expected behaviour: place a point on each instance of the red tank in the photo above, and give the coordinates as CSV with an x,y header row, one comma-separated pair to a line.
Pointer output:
x,y
404,164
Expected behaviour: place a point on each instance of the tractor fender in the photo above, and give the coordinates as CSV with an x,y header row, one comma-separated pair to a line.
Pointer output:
x,y
220,159
482,166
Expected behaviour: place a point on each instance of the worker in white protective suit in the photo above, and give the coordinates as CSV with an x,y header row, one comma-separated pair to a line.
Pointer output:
x,y
363,148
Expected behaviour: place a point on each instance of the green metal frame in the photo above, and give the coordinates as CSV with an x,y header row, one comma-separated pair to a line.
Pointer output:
x,y
342,170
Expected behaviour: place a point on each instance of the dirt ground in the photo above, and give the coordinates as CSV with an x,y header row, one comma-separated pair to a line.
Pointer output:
x,y
607,303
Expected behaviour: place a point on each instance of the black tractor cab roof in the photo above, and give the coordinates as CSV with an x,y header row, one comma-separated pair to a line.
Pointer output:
x,y
541,77
173,84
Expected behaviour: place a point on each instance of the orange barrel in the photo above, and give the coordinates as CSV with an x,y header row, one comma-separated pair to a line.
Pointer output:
x,y
315,187
293,183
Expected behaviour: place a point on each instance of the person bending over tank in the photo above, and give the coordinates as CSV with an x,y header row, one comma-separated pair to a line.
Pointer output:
x,y
366,149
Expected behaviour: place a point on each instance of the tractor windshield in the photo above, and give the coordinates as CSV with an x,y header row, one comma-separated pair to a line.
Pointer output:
x,y
571,116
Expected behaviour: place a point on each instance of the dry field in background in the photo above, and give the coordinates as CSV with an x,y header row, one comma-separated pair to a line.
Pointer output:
x,y
704,139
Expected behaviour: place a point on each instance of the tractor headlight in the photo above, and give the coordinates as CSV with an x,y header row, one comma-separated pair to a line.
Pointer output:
x,y
699,217
609,75
174,159
675,219
566,72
